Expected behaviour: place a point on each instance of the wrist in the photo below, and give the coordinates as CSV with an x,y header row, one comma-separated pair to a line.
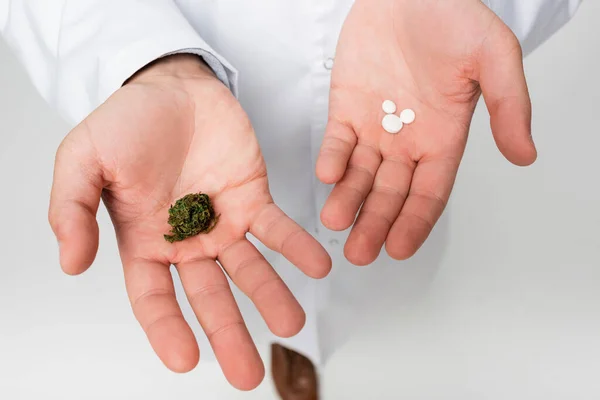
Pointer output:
x,y
183,66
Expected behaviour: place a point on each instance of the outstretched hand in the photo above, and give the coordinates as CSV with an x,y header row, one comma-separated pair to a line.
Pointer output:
x,y
174,130
435,57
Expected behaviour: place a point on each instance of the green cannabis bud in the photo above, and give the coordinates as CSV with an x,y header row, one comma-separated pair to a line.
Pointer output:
x,y
191,215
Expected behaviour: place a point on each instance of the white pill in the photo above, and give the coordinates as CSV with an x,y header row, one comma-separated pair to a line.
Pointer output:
x,y
392,123
389,107
408,116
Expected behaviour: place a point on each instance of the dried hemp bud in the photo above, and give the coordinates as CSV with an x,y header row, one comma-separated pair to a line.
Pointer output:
x,y
191,215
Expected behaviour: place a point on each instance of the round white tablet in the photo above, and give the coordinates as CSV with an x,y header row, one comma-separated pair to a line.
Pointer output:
x,y
408,116
392,123
389,107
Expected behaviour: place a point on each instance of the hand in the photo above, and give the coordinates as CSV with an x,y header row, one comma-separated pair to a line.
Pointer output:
x,y
174,130
435,57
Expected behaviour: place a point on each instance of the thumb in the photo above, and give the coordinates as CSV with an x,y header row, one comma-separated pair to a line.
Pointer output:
x,y
502,80
74,202
336,150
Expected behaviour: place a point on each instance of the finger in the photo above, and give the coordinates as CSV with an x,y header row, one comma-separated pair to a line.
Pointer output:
x,y
339,211
380,210
254,276
74,202
280,233
502,80
210,296
337,147
429,193
152,296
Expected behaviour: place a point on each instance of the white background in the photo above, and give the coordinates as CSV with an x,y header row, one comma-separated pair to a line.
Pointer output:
x,y
513,311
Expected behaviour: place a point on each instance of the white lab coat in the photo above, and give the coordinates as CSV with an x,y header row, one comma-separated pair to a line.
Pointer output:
x,y
276,56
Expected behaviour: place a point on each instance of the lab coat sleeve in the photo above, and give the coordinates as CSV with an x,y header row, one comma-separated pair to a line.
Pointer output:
x,y
79,52
534,21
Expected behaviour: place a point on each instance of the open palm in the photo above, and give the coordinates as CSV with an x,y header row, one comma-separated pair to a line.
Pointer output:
x,y
435,57
156,140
